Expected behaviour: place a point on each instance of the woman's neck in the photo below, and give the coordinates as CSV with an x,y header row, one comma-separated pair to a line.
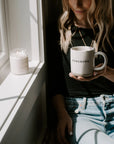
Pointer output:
x,y
82,24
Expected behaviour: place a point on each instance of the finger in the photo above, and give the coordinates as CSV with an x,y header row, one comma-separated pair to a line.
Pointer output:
x,y
79,78
95,75
70,128
61,136
98,73
84,79
62,139
99,65
72,76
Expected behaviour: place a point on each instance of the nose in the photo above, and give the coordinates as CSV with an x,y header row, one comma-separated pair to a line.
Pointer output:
x,y
78,3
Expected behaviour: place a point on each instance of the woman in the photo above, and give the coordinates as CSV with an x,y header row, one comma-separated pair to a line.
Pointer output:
x,y
84,106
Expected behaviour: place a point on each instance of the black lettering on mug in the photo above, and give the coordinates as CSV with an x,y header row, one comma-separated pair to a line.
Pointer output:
x,y
80,61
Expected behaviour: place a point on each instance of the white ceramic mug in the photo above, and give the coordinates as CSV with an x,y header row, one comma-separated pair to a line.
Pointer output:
x,y
82,60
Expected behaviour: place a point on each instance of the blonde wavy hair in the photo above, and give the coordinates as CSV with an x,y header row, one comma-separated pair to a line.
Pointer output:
x,y
99,16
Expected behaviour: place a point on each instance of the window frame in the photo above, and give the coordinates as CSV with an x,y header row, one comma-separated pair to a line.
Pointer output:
x,y
3,33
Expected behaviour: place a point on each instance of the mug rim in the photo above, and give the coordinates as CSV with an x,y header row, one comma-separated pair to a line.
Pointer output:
x,y
83,48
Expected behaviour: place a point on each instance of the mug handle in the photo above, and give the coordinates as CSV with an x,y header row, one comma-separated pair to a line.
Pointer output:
x,y
105,61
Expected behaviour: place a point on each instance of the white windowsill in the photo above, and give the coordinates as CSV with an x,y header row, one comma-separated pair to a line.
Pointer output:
x,y
13,91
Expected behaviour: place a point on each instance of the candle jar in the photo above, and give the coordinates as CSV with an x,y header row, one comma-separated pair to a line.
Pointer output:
x,y
19,61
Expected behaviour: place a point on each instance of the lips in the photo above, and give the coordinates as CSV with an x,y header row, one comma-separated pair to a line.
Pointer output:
x,y
79,11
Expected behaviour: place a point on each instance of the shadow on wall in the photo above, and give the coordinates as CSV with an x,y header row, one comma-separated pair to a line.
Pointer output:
x,y
113,6
53,12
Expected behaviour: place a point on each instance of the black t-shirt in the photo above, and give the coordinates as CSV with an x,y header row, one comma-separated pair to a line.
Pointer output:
x,y
59,69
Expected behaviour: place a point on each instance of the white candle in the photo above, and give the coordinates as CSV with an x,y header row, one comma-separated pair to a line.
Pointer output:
x,y
19,61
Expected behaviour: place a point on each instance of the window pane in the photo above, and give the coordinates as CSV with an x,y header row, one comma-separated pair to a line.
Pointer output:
x,y
23,26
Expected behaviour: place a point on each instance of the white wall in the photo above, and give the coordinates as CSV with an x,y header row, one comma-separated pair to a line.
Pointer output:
x,y
22,25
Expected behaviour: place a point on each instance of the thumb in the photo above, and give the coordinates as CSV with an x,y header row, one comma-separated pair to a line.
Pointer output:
x,y
70,132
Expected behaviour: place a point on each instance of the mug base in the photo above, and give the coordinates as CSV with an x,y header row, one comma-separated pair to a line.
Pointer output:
x,y
82,75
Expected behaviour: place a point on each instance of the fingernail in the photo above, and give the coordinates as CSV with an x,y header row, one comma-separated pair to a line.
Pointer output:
x,y
79,77
95,73
70,75
70,133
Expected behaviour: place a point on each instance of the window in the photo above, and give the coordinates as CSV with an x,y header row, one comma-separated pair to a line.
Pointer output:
x,y
21,26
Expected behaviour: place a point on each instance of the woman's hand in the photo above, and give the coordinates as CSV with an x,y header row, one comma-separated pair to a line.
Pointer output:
x,y
107,73
64,120
64,123
80,78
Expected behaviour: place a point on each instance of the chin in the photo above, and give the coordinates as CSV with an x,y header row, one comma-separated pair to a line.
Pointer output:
x,y
80,17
